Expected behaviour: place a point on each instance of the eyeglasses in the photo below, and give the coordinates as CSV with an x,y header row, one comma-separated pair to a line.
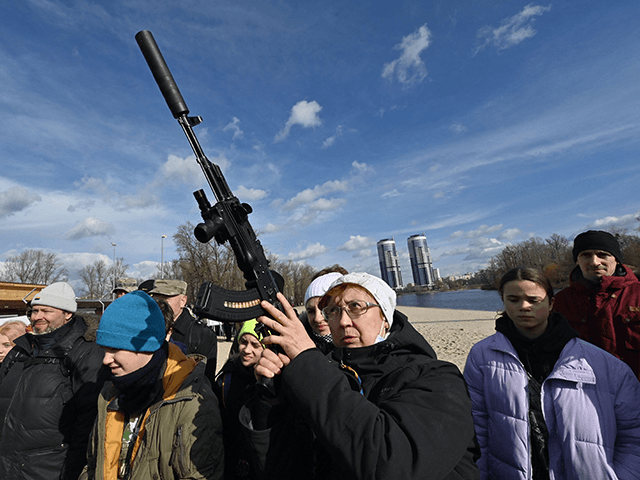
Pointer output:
x,y
354,309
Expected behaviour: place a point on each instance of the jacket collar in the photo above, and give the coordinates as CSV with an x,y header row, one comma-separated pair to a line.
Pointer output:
x,y
63,338
622,277
572,365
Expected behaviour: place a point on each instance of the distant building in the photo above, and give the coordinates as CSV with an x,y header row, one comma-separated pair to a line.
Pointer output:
x,y
421,265
389,264
436,272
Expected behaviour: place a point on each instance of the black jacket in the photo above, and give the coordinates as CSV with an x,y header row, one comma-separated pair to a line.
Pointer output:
x,y
48,400
412,419
198,338
235,385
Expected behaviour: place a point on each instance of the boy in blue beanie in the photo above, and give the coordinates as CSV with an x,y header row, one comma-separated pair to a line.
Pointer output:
x,y
157,417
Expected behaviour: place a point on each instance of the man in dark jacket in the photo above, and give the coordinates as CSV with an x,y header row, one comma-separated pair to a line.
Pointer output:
x,y
49,388
602,303
195,334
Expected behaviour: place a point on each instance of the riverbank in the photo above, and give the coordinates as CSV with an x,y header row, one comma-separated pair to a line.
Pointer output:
x,y
450,332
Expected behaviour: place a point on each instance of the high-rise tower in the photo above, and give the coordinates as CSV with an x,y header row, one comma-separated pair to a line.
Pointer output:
x,y
420,257
389,265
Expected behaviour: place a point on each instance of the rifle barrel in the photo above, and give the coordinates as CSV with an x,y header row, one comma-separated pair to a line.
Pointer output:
x,y
161,73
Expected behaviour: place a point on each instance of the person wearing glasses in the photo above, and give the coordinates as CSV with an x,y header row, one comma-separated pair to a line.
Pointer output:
x,y
379,406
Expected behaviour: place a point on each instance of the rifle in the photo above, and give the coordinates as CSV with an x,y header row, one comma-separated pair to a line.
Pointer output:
x,y
226,221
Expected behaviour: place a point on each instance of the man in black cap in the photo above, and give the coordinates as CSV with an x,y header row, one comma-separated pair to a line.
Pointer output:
x,y
603,300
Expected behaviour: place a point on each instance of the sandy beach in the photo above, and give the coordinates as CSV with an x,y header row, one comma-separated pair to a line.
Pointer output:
x,y
450,332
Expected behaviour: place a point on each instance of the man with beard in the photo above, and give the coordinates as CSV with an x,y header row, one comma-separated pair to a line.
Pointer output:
x,y
50,385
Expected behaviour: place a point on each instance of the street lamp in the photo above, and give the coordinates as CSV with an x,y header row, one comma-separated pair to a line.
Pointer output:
x,y
114,270
162,256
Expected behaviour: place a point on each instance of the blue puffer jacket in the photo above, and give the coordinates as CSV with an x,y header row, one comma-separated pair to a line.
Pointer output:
x,y
591,405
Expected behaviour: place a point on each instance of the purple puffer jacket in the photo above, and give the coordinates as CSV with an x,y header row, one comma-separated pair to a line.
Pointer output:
x,y
591,404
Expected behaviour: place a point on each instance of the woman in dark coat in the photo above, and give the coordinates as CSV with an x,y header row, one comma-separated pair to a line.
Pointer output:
x,y
235,385
379,406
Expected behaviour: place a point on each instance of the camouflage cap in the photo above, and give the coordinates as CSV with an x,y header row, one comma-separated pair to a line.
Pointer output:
x,y
126,285
169,288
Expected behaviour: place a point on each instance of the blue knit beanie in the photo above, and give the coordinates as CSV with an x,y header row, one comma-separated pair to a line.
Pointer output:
x,y
132,322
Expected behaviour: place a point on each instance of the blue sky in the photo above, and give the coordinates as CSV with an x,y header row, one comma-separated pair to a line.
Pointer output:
x,y
478,124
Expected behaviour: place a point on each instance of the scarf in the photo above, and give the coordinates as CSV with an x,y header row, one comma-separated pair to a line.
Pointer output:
x,y
137,390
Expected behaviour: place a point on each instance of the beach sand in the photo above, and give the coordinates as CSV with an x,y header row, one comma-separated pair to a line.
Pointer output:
x,y
450,332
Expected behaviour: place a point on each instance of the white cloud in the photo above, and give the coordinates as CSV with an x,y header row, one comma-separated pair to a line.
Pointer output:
x,y
326,204
311,251
75,261
356,242
82,204
332,139
512,30
361,167
303,113
183,170
364,253
15,200
309,195
271,228
249,194
509,234
478,249
391,193
458,128
234,127
409,67
482,230
90,227
144,269
617,221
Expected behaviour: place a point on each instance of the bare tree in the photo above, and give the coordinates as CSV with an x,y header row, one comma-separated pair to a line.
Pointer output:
x,y
297,277
172,270
35,266
201,262
117,270
97,279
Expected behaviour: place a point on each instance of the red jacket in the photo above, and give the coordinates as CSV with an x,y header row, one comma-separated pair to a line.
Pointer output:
x,y
607,315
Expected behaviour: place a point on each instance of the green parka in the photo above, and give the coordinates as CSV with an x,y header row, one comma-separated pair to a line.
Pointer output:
x,y
181,437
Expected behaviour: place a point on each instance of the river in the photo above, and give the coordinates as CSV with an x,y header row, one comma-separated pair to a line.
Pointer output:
x,y
487,300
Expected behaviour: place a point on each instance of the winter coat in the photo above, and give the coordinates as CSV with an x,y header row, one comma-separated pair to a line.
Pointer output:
x,y
199,338
48,403
234,386
180,436
390,410
590,406
607,315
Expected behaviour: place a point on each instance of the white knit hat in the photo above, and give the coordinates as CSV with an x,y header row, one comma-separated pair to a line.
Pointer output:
x,y
320,285
378,288
58,295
